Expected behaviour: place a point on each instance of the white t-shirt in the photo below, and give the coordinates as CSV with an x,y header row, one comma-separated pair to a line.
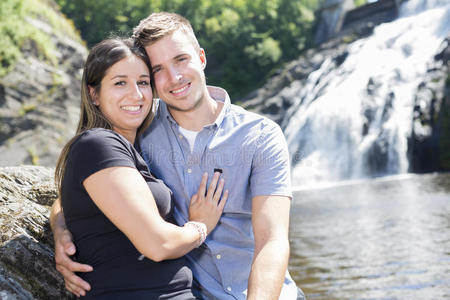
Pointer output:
x,y
189,135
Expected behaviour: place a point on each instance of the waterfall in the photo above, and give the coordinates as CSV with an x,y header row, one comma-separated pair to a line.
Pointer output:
x,y
353,121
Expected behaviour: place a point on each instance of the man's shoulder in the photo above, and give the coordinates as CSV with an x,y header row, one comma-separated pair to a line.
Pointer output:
x,y
242,116
236,112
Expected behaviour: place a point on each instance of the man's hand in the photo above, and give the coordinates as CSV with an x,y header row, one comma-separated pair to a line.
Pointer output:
x,y
64,248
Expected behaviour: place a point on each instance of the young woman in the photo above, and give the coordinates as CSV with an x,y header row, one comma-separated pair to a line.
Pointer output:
x,y
119,214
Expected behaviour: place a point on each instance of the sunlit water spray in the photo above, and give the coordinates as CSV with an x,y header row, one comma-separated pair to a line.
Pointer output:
x,y
353,121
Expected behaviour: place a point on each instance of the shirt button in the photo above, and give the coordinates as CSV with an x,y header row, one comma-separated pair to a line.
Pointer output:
x,y
180,136
218,256
189,170
229,289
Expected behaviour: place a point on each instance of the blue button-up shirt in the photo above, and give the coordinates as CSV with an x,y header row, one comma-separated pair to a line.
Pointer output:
x,y
252,153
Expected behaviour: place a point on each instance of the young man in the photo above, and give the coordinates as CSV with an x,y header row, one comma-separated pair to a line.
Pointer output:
x,y
196,129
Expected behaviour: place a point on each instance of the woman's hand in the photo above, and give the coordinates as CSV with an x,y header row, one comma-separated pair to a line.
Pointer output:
x,y
207,205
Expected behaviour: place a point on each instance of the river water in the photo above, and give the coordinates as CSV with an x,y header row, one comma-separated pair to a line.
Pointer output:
x,y
386,238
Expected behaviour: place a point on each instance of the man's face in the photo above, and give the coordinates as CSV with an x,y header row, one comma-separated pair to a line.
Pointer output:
x,y
178,69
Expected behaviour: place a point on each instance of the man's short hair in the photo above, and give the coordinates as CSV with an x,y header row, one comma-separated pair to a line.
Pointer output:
x,y
159,25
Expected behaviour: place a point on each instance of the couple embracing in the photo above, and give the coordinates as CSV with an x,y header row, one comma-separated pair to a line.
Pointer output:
x,y
186,197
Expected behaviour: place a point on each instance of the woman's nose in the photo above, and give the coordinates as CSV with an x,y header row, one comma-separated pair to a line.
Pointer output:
x,y
136,92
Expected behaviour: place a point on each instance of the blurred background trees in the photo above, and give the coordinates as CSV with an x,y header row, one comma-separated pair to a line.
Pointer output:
x,y
245,41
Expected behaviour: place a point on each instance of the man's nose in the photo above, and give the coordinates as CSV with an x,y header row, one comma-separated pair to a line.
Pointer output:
x,y
174,75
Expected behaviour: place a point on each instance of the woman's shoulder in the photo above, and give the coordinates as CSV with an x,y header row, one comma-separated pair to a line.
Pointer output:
x,y
100,138
100,135
99,145
99,132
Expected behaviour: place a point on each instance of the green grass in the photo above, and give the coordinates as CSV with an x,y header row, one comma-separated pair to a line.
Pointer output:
x,y
33,156
16,30
26,108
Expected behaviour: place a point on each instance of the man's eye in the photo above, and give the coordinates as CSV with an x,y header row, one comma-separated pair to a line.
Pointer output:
x,y
120,83
156,70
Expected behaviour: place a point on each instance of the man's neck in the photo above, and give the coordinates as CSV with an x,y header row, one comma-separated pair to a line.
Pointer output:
x,y
206,113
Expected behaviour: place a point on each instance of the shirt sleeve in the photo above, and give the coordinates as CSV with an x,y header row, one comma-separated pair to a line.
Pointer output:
x,y
271,174
97,150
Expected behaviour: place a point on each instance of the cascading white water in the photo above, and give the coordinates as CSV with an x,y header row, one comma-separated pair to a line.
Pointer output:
x,y
353,121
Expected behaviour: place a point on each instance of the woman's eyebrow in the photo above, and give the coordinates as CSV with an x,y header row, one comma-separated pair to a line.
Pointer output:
x,y
118,76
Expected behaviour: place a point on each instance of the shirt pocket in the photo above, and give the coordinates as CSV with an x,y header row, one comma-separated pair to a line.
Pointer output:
x,y
236,170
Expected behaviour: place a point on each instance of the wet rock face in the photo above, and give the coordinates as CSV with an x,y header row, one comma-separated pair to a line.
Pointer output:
x,y
39,101
430,139
429,143
278,94
27,267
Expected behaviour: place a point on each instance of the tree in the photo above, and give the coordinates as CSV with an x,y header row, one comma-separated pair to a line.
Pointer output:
x,y
245,40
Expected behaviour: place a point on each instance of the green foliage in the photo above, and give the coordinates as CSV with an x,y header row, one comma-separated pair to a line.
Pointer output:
x,y
11,35
16,30
46,9
359,2
245,40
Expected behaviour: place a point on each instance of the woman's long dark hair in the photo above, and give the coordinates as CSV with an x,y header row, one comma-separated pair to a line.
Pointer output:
x,y
101,57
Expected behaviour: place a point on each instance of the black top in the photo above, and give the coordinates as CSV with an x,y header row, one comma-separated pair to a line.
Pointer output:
x,y
101,244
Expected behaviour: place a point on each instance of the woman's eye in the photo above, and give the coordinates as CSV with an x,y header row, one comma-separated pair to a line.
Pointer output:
x,y
120,83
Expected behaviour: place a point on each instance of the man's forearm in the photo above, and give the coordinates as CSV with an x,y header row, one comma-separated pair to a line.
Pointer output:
x,y
268,270
57,220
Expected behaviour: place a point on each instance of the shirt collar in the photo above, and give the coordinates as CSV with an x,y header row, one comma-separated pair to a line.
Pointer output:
x,y
220,95
217,93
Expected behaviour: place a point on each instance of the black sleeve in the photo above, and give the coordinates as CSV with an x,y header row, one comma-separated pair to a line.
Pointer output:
x,y
99,149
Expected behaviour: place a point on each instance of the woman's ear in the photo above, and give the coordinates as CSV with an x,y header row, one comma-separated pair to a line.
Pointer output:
x,y
93,95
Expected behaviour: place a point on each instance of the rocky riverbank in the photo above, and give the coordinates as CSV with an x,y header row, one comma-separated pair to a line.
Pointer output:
x,y
27,268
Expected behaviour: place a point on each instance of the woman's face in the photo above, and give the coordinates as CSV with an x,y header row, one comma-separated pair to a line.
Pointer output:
x,y
125,96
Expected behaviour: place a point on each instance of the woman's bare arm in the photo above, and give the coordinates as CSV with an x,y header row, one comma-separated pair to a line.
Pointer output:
x,y
123,196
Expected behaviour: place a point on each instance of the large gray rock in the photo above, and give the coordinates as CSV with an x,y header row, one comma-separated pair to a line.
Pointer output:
x,y
332,14
275,98
39,99
27,268
429,145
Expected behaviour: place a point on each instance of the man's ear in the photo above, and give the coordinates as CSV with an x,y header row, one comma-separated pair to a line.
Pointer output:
x,y
93,95
202,55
